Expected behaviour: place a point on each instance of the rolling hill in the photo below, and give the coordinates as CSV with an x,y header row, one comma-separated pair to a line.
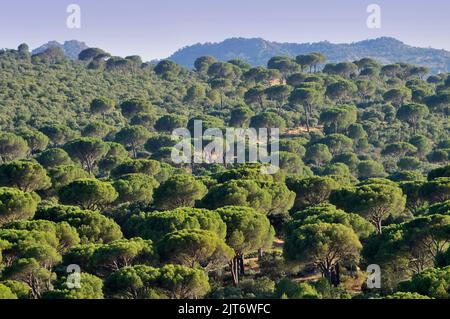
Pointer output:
x,y
258,51
71,48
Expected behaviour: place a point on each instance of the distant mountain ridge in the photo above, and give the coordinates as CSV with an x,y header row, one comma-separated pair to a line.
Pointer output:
x,y
71,48
258,51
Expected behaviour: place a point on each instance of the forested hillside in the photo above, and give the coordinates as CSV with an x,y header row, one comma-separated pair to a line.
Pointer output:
x,y
87,179
258,51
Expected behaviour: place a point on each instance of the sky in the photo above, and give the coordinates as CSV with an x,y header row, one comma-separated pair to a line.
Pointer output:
x,y
157,28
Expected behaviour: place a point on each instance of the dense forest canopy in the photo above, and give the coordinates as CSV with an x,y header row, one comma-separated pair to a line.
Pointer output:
x,y
86,179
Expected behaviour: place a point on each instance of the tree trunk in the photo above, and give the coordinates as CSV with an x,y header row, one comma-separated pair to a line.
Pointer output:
x,y
337,275
261,103
260,254
327,274
241,264
133,148
89,168
307,118
378,226
234,268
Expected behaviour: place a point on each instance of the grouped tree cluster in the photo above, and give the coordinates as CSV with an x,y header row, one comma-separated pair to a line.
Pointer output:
x,y
87,179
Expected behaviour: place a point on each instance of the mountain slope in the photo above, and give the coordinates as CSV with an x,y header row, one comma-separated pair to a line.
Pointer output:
x,y
71,48
258,51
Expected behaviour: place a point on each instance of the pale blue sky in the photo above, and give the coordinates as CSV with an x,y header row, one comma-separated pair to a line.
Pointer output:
x,y
157,28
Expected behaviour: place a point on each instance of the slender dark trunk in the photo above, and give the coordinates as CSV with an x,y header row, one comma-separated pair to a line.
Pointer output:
x,y
378,226
241,264
337,275
307,117
332,274
327,273
260,254
234,268
89,168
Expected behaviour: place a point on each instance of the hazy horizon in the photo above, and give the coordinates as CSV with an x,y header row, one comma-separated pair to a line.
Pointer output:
x,y
156,29
213,42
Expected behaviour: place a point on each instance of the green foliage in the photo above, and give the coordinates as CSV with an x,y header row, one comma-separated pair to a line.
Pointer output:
x,y
157,224
290,163
91,287
145,282
133,137
375,201
37,141
140,166
328,213
436,190
16,205
326,245
406,295
267,120
311,191
57,133
18,288
439,172
90,225
179,191
240,116
195,247
170,122
370,169
121,253
412,113
65,174
100,130
290,290
54,157
247,230
24,175
338,119
133,107
318,154
88,194
264,197
88,151
6,293
433,282
135,188
12,147
102,106
66,235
